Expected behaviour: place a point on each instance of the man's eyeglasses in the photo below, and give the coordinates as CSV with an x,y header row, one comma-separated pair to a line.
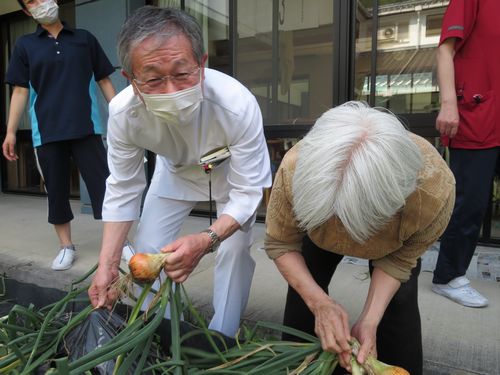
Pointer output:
x,y
180,78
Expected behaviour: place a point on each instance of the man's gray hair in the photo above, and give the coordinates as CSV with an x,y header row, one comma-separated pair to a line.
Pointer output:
x,y
356,163
162,23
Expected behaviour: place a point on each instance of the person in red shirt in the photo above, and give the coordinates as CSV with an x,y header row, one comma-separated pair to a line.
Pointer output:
x,y
469,123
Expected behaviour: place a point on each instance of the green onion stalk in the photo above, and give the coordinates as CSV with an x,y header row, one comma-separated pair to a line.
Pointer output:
x,y
30,338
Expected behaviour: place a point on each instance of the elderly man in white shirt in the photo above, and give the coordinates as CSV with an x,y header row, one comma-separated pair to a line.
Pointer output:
x,y
180,110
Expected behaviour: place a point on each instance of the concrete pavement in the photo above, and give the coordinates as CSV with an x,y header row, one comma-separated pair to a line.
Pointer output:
x,y
457,340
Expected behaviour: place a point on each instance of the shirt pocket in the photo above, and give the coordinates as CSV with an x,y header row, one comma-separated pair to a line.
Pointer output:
x,y
477,117
475,99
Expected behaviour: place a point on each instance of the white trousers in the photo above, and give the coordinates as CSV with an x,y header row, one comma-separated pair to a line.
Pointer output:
x,y
160,224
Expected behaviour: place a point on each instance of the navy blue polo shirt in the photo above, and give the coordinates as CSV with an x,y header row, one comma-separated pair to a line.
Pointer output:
x,y
61,75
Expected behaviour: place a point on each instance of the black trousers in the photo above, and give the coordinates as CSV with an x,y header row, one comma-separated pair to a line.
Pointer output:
x,y
54,158
473,171
399,334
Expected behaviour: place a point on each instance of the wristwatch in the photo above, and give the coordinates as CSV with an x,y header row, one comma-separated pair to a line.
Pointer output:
x,y
214,240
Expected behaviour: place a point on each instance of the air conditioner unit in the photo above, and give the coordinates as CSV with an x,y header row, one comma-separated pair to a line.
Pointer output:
x,y
388,34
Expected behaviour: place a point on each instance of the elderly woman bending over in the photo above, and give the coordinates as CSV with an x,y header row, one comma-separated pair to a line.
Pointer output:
x,y
358,184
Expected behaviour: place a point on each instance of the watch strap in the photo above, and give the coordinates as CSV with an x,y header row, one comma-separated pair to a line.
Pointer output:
x,y
214,239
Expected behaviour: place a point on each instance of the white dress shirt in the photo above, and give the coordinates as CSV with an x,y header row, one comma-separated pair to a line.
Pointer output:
x,y
228,116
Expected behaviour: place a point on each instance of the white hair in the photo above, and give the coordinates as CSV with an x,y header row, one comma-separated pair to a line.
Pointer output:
x,y
356,163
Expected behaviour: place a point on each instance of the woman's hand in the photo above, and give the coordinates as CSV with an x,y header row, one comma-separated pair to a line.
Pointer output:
x,y
382,289
332,328
331,320
366,333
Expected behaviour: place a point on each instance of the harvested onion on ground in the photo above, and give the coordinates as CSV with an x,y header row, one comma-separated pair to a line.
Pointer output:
x,y
146,267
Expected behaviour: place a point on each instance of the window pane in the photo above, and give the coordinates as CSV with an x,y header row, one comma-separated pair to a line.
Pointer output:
x,y
254,50
299,51
433,25
406,58
19,28
407,37
213,16
362,66
168,3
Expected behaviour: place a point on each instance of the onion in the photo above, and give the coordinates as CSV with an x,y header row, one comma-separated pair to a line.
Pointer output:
x,y
376,367
373,366
146,267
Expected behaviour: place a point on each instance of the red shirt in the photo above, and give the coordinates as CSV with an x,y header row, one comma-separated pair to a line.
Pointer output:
x,y
476,25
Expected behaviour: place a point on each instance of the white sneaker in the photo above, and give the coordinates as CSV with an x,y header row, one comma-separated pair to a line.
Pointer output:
x,y
460,291
64,260
127,252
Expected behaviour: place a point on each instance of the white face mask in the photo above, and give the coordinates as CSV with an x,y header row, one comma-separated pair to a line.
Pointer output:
x,y
47,13
177,107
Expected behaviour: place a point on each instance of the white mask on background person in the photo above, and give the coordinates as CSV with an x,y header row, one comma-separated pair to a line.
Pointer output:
x,y
177,107
47,13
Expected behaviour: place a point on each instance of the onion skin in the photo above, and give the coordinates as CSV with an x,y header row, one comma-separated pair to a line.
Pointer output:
x,y
146,267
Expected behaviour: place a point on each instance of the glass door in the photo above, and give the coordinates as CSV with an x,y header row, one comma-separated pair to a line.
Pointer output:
x,y
284,55
22,176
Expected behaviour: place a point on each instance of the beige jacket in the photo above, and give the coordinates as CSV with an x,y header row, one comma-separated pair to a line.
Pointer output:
x,y
396,248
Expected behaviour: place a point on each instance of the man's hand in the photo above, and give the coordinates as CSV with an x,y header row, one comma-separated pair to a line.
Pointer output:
x,y
101,292
332,328
186,254
366,333
447,120
8,147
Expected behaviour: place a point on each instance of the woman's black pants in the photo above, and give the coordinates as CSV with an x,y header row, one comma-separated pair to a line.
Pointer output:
x,y
399,336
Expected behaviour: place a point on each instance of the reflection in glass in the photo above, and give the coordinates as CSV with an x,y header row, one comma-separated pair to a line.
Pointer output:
x,y
213,16
407,37
362,67
287,63
168,3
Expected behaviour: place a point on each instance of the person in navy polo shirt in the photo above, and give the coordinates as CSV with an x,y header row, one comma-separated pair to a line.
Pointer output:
x,y
469,122
58,67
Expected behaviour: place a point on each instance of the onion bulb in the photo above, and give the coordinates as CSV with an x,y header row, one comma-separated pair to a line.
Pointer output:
x,y
376,367
373,366
146,267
